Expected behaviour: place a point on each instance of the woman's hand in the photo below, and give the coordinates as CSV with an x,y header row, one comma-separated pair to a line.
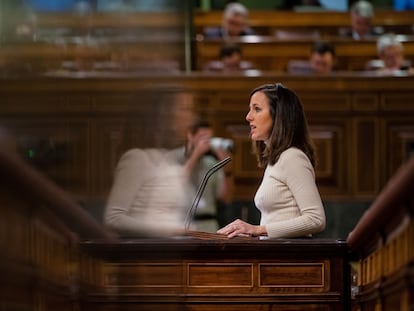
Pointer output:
x,y
242,228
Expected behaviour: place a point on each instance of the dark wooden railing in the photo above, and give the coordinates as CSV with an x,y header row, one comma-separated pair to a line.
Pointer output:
x,y
41,267
383,240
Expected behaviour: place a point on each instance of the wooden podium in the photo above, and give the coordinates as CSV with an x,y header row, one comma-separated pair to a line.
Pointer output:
x,y
210,272
57,257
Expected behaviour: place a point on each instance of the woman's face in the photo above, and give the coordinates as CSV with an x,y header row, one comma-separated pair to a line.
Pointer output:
x,y
259,117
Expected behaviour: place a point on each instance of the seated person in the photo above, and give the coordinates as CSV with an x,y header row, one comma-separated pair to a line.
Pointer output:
x,y
361,13
234,23
230,60
321,60
391,53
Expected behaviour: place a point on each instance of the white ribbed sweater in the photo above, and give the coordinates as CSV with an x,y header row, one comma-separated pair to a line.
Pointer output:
x,y
149,194
288,198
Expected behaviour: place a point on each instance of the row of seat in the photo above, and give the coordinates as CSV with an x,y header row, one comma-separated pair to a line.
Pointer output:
x,y
155,38
269,53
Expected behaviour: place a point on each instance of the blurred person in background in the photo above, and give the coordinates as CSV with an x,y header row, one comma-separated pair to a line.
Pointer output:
x,y
322,58
200,152
234,23
391,52
361,14
156,180
230,59
149,194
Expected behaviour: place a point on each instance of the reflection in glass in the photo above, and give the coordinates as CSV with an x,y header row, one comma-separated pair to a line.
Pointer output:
x,y
93,36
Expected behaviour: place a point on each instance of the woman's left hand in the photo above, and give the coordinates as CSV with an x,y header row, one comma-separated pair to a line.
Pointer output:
x,y
239,228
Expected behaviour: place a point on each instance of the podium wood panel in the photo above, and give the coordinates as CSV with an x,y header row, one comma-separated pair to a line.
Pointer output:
x,y
203,273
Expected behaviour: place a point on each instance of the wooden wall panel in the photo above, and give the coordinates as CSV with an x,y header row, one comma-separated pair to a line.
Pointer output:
x,y
107,145
365,165
365,102
395,102
400,146
331,144
361,125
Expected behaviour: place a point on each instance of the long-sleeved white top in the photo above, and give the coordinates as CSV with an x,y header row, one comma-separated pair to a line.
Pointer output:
x,y
288,198
149,194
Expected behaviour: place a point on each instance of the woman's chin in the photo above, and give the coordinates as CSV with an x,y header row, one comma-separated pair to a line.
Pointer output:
x,y
255,138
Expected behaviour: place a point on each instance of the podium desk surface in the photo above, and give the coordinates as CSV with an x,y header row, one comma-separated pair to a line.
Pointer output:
x,y
215,246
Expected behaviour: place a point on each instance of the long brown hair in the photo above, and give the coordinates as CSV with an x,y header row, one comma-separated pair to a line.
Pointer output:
x,y
289,129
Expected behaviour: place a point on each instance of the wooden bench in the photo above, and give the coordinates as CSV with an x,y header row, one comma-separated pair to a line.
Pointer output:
x,y
326,23
270,53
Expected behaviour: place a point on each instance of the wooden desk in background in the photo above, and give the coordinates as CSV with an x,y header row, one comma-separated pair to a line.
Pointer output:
x,y
271,53
326,23
135,40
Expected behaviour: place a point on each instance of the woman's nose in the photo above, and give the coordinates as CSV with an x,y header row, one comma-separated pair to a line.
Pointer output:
x,y
248,118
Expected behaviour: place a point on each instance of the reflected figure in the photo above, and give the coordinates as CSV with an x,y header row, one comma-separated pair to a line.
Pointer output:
x,y
201,152
150,191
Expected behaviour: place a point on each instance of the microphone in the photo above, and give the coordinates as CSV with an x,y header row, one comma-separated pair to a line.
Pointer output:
x,y
201,187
